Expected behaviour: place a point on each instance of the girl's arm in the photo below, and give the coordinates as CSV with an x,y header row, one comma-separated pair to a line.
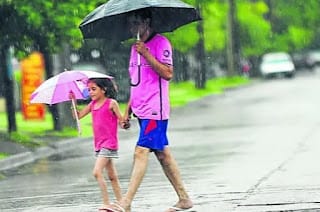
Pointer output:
x,y
81,113
116,109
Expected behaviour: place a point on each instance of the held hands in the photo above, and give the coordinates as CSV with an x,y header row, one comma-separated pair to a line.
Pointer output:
x,y
125,123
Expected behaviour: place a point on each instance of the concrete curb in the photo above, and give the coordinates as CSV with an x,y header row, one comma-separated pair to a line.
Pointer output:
x,y
20,159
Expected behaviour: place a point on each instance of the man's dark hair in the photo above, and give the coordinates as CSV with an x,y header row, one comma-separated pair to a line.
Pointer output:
x,y
144,13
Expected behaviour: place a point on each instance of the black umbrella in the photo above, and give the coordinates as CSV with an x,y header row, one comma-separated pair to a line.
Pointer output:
x,y
109,20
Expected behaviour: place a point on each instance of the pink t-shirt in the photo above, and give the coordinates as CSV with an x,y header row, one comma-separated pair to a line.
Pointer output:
x,y
105,126
150,98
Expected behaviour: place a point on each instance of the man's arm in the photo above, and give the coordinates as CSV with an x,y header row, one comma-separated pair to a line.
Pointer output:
x,y
165,71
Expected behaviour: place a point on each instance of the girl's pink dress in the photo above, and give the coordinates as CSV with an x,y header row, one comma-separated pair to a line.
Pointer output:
x,y
105,126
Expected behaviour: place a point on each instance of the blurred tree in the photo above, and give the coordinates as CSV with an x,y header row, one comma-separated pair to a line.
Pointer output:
x,y
203,36
11,26
233,45
42,25
254,29
200,78
295,25
264,25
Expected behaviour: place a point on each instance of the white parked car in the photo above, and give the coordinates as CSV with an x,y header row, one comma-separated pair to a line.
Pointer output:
x,y
276,63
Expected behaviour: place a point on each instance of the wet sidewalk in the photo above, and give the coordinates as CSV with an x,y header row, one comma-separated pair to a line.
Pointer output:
x,y
20,155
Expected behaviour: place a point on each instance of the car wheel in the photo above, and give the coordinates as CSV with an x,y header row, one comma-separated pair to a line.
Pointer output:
x,y
290,75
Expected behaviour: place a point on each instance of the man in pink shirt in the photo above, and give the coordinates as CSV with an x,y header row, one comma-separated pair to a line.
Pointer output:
x,y
149,91
149,102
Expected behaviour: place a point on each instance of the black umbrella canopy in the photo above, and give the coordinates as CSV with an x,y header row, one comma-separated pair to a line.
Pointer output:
x,y
109,20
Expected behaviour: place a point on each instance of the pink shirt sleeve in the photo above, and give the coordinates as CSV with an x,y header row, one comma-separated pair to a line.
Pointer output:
x,y
164,51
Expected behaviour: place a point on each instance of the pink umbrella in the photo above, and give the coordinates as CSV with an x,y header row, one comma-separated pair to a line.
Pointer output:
x,y
57,89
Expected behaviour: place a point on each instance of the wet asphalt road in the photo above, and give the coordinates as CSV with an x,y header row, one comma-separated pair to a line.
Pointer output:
x,y
236,152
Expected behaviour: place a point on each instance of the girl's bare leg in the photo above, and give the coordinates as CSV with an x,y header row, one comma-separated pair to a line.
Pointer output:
x,y
100,164
113,177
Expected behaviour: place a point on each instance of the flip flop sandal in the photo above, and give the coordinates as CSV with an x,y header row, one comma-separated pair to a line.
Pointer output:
x,y
182,209
106,209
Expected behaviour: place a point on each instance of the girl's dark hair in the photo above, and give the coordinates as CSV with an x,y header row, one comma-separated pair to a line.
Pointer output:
x,y
108,85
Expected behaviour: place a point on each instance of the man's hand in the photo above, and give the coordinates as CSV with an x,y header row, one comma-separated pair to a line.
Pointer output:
x,y
141,48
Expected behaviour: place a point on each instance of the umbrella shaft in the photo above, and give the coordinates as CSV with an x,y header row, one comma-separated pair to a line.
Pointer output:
x,y
76,116
138,55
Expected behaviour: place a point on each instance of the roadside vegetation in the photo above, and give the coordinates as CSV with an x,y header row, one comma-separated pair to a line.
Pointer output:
x,y
38,133
202,48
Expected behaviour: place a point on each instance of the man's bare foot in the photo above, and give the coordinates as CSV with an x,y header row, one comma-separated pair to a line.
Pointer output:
x,y
181,204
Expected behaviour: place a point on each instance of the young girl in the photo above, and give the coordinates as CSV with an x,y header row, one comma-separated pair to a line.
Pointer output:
x,y
105,118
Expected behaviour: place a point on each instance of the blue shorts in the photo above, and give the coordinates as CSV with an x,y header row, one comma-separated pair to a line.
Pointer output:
x,y
153,134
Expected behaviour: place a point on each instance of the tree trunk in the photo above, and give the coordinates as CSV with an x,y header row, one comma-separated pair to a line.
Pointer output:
x,y
64,108
181,67
49,72
200,55
52,108
231,66
269,14
8,88
236,42
185,75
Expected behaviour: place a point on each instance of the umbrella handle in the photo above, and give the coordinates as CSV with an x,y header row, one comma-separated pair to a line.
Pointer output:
x,y
76,115
139,78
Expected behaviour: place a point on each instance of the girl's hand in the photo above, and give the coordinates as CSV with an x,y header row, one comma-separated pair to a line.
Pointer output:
x,y
71,95
125,124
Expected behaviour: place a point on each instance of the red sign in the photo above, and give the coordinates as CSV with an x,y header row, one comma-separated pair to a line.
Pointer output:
x,y
32,76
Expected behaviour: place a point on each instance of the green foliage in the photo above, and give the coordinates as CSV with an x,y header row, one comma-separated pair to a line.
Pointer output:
x,y
3,155
299,37
49,22
40,128
285,26
214,21
294,24
184,38
255,31
20,138
185,92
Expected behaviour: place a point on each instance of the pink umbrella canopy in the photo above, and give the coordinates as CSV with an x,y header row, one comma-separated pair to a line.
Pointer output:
x,y
57,89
